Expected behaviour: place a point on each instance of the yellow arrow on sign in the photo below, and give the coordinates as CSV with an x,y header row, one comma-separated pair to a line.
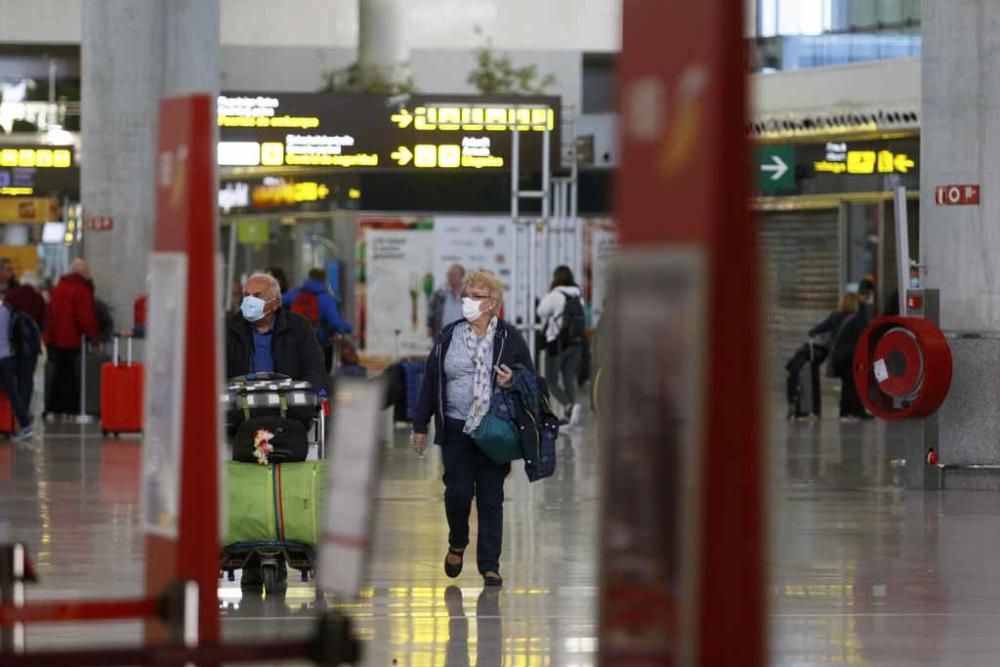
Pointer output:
x,y
402,156
402,119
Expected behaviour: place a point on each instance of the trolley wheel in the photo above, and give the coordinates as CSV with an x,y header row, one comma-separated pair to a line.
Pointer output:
x,y
269,577
105,432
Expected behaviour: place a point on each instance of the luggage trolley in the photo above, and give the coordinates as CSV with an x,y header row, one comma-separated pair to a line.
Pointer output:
x,y
294,413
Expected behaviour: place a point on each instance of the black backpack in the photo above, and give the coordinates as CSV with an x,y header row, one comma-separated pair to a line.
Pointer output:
x,y
573,327
25,336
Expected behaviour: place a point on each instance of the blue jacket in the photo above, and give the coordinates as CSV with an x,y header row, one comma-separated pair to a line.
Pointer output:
x,y
330,321
508,348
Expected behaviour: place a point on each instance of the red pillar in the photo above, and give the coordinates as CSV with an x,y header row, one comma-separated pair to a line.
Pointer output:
x,y
682,196
186,192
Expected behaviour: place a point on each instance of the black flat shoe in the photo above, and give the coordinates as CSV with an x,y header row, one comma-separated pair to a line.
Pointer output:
x,y
492,579
453,570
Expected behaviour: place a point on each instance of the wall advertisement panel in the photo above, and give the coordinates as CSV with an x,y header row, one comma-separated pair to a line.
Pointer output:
x,y
398,283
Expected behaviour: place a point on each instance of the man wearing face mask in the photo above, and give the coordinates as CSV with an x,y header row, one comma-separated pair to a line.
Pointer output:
x,y
264,338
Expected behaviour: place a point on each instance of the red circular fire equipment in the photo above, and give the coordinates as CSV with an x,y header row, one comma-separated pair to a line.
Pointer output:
x,y
902,367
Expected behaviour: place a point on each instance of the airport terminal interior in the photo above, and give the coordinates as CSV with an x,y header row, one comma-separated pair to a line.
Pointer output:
x,y
499,333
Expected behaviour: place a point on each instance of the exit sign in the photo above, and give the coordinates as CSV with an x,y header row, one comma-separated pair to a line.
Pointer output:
x,y
956,195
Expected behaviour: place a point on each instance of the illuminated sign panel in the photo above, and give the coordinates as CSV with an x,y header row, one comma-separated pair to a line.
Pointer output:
x,y
376,132
840,159
27,170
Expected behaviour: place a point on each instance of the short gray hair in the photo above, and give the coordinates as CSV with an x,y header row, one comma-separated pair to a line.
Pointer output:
x,y
270,280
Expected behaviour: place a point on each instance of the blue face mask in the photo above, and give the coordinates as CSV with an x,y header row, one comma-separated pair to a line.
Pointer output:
x,y
252,308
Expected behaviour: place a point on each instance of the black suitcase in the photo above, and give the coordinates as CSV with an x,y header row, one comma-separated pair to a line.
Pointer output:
x,y
803,382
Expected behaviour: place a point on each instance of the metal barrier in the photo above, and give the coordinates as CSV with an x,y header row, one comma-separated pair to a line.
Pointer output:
x,y
333,643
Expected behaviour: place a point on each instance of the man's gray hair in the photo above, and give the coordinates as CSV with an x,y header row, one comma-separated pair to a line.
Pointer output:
x,y
271,281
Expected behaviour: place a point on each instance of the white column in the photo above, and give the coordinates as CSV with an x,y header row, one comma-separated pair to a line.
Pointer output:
x,y
134,52
960,245
382,46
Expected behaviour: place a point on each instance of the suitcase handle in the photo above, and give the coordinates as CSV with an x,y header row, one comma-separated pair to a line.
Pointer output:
x,y
116,358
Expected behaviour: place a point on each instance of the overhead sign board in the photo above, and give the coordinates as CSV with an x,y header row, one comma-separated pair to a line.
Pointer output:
x,y
359,131
832,167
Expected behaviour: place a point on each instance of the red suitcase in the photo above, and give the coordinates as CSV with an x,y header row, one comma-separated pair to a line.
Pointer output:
x,y
122,393
8,423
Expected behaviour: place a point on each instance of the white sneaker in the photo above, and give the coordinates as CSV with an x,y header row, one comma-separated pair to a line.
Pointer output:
x,y
575,414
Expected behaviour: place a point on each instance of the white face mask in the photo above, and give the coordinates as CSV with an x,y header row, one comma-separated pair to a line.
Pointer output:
x,y
471,309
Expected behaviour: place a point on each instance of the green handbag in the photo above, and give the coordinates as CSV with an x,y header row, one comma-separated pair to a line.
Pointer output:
x,y
496,435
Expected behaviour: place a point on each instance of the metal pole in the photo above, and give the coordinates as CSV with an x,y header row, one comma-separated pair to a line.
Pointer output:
x,y
902,247
532,278
83,417
515,213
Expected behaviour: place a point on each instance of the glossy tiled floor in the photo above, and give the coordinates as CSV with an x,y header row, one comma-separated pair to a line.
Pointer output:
x,y
861,571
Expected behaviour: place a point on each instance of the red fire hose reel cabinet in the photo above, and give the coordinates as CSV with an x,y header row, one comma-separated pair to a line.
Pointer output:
x,y
902,368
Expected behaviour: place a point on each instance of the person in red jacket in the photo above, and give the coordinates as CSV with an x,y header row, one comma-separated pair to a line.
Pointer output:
x,y
72,314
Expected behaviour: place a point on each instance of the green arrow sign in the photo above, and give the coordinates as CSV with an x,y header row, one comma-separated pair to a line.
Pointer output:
x,y
775,168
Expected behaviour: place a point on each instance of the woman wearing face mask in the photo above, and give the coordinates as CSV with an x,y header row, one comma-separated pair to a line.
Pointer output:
x,y
264,338
471,359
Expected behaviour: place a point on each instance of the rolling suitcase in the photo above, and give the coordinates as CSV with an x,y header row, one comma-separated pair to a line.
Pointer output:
x,y
121,391
804,398
413,374
8,424
279,502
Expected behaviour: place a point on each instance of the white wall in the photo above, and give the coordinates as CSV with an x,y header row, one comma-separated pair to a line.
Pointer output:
x,y
886,83
573,25
288,69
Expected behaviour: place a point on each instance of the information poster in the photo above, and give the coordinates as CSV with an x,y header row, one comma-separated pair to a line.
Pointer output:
x,y
168,273
603,248
476,243
399,271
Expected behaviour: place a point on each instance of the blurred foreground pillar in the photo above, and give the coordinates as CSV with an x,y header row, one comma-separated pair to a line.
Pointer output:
x,y
959,236
682,502
133,53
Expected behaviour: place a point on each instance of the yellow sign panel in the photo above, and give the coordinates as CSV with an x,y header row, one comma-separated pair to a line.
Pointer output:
x,y
866,162
22,257
476,119
38,158
446,156
29,209
289,194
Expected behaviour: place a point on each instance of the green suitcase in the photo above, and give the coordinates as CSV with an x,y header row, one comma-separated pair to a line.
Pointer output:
x,y
279,502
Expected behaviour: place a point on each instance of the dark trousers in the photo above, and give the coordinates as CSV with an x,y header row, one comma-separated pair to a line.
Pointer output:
x,y
65,387
467,473
562,371
26,365
850,401
8,383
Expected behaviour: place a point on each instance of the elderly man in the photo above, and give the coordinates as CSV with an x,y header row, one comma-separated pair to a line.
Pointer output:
x,y
264,338
72,315
446,303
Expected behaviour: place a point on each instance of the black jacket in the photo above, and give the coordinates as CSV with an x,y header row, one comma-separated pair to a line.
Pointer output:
x,y
294,347
509,348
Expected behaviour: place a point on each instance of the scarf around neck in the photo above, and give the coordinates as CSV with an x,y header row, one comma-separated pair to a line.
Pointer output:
x,y
481,351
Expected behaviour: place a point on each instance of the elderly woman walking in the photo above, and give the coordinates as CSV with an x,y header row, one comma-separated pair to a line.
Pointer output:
x,y
471,359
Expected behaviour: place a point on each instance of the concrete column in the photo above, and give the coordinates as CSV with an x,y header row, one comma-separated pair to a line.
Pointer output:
x,y
382,45
134,52
960,245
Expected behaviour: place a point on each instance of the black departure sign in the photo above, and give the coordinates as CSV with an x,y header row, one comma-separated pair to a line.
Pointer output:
x,y
360,131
